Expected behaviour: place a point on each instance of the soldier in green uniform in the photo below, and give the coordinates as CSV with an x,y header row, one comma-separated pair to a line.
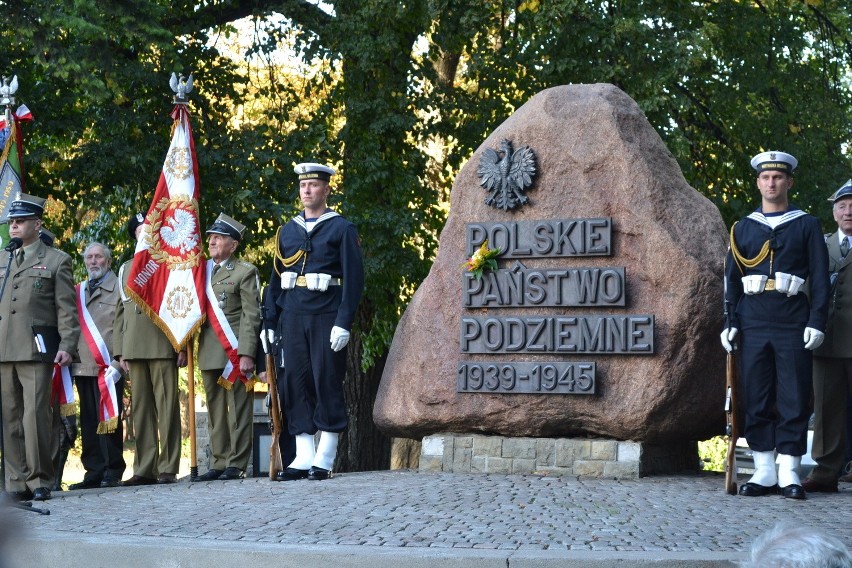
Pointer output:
x,y
38,327
147,356
226,352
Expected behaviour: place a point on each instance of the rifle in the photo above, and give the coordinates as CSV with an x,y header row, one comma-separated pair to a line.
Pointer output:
x,y
274,405
732,428
731,401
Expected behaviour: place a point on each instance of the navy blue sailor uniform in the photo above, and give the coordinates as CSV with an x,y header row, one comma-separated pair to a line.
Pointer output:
x,y
312,389
776,369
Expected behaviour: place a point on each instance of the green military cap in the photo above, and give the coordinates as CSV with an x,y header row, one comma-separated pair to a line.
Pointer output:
x,y
225,225
26,206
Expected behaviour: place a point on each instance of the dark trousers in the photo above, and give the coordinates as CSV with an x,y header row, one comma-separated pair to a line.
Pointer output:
x,y
103,454
312,389
776,372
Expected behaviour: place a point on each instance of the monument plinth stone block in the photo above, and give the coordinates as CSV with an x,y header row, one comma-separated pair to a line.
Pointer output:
x,y
602,318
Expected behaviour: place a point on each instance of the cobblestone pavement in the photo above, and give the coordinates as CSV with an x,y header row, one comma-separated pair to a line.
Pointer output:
x,y
543,517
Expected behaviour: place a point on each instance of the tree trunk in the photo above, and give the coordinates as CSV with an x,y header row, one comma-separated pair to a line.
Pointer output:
x,y
362,447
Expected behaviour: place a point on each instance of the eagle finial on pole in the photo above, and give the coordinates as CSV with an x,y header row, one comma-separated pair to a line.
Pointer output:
x,y
7,91
181,86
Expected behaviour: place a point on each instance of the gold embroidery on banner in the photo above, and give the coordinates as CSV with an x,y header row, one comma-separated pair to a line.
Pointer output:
x,y
178,162
179,302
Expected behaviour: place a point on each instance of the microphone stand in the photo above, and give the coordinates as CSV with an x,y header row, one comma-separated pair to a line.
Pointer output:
x,y
5,499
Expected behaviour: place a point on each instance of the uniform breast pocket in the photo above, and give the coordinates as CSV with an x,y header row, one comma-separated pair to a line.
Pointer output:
x,y
226,295
108,305
41,280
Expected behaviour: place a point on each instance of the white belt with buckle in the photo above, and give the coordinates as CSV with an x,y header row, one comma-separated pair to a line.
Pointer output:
x,y
303,282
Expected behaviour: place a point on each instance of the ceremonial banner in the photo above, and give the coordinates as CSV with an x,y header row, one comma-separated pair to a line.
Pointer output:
x,y
167,277
11,167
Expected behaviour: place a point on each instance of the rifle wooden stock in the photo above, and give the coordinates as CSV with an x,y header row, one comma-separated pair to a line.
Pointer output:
x,y
732,429
275,464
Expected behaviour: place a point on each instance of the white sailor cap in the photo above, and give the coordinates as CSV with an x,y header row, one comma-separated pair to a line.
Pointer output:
x,y
310,170
774,160
845,191
228,226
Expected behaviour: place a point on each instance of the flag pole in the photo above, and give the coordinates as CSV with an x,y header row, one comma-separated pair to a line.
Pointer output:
x,y
167,278
190,369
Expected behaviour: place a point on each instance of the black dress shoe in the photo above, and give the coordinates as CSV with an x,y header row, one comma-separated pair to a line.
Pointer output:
x,y
110,483
85,484
138,480
232,473
756,490
291,474
318,473
166,478
41,494
209,475
23,495
793,492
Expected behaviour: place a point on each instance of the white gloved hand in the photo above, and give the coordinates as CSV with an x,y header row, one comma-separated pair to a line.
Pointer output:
x,y
339,338
813,338
728,336
267,339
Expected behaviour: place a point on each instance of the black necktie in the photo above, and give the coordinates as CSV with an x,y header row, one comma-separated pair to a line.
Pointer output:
x,y
844,247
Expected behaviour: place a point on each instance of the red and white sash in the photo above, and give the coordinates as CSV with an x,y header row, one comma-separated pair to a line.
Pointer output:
x,y
63,391
227,337
107,375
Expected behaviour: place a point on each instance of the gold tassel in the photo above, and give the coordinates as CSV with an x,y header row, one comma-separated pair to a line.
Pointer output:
x,y
224,383
66,410
108,426
250,384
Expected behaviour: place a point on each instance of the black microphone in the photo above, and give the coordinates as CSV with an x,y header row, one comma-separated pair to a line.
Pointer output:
x,y
14,244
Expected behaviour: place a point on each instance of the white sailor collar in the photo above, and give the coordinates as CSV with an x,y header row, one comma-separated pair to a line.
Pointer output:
x,y
759,217
300,219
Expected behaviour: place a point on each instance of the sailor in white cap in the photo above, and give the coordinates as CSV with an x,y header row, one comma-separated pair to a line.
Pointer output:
x,y
316,285
833,359
773,251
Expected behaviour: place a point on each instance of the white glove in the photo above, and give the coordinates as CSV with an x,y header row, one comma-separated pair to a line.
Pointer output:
x,y
728,336
813,338
267,339
339,338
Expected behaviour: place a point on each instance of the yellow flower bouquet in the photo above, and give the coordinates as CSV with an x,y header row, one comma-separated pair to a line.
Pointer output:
x,y
483,259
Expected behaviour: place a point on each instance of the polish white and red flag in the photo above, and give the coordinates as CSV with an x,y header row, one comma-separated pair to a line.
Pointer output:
x,y
167,277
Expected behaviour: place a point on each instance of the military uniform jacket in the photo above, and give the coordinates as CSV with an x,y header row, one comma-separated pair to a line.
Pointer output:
x,y
135,336
39,292
333,248
235,285
839,329
798,248
102,303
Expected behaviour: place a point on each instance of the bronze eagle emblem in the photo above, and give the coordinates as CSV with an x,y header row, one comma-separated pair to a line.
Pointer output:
x,y
507,177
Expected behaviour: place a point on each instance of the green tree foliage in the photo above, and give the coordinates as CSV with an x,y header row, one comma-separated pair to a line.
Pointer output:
x,y
397,96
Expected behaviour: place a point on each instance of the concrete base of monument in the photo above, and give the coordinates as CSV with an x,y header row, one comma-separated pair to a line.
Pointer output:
x,y
475,453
